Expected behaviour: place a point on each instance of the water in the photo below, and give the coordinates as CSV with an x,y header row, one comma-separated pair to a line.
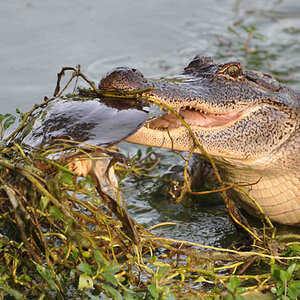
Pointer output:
x,y
158,37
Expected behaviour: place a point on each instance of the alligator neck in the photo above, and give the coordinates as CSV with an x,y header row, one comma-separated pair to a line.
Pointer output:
x,y
278,194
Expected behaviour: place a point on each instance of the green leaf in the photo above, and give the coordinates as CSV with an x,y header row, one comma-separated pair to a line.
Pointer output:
x,y
47,275
149,149
110,278
166,290
230,288
85,268
92,297
115,293
139,154
153,259
9,121
284,276
234,282
249,29
67,178
239,297
85,282
153,290
12,292
98,257
113,269
75,255
295,247
241,290
216,289
292,292
21,115
231,29
162,271
127,295
171,296
229,297
56,213
44,201
275,271
292,268
86,254
295,284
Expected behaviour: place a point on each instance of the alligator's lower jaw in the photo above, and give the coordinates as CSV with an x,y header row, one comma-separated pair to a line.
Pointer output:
x,y
168,131
162,138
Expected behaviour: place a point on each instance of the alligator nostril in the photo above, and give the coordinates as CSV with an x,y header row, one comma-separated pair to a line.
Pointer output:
x,y
133,70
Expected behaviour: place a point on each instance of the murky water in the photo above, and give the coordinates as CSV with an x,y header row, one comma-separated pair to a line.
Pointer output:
x,y
158,37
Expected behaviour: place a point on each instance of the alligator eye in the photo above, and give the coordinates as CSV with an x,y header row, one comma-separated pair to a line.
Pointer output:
x,y
231,70
234,71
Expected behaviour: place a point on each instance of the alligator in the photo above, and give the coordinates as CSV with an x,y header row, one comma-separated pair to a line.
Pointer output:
x,y
245,120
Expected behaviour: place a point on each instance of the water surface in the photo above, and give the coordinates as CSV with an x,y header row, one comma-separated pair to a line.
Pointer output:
x,y
158,37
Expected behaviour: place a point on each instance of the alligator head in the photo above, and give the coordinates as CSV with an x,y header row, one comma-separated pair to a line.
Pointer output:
x,y
245,120
234,113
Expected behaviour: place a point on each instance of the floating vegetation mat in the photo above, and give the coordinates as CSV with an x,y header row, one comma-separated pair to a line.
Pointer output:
x,y
61,237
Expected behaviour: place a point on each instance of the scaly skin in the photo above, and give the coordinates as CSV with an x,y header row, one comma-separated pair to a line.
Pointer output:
x,y
245,120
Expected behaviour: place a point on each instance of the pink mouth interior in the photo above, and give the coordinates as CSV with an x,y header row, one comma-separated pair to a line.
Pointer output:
x,y
194,118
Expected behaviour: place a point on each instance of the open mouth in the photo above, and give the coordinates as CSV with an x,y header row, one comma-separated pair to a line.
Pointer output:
x,y
194,117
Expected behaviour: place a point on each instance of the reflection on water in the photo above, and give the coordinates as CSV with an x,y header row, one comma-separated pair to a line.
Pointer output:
x,y
158,37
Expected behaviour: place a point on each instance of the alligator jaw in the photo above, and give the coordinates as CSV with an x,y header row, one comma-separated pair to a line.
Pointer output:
x,y
195,118
168,131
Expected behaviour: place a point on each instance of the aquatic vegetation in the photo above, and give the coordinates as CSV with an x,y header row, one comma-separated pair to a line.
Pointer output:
x,y
243,41
5,122
62,237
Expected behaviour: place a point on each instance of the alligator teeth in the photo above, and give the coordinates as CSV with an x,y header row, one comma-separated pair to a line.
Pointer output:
x,y
169,112
178,109
160,107
153,103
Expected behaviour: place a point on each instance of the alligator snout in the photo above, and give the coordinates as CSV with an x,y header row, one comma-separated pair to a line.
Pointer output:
x,y
122,78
